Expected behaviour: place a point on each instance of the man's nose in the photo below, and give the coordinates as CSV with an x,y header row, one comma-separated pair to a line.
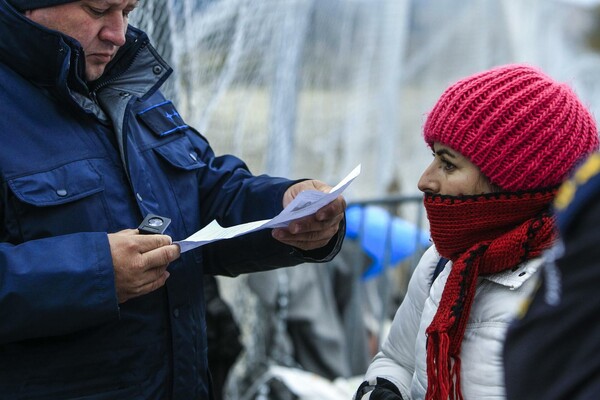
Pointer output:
x,y
114,29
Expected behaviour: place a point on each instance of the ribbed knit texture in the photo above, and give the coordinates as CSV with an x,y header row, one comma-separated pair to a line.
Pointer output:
x,y
520,127
23,5
526,133
481,234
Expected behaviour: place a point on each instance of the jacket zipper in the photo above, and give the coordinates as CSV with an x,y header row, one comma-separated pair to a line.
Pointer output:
x,y
93,94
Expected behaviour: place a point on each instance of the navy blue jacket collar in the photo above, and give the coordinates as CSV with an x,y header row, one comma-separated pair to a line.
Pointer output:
x,y
41,55
53,60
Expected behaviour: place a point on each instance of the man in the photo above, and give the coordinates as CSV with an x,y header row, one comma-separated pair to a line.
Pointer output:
x,y
553,351
89,307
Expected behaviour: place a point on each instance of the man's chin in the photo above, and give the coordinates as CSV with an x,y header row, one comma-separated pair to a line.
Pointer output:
x,y
93,74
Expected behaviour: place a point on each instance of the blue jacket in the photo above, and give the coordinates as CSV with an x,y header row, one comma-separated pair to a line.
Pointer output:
x,y
552,350
78,161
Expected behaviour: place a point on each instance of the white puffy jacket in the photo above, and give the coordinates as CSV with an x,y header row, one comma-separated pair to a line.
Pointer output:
x,y
498,297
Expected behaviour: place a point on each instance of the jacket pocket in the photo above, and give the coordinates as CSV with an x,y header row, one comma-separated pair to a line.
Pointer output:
x,y
180,154
62,200
61,185
162,119
180,161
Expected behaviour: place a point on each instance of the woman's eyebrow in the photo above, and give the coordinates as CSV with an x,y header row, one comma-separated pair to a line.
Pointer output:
x,y
446,152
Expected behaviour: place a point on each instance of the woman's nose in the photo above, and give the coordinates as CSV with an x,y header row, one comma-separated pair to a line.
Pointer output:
x,y
428,182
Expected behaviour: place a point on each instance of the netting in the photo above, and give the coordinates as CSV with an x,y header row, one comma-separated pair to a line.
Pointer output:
x,y
311,88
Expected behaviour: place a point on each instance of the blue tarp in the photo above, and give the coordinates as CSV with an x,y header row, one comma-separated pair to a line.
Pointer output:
x,y
386,238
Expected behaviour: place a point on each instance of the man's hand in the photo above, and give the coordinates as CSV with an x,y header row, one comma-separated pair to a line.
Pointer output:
x,y
140,262
313,231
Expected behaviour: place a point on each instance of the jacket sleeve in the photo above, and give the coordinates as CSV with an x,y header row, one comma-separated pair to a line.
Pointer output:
x,y
396,360
233,195
230,193
55,286
258,251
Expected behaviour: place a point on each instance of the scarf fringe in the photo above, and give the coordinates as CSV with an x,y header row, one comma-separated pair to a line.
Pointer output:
x,y
455,379
438,366
444,371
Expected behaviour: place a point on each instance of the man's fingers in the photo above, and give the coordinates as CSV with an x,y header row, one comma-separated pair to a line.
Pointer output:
x,y
328,215
161,256
307,235
307,240
155,279
160,278
154,263
332,210
312,224
127,245
314,231
147,243
140,262
306,245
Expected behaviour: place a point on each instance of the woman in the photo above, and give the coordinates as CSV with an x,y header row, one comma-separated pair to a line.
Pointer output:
x,y
502,141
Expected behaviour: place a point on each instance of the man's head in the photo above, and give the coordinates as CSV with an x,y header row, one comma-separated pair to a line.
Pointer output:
x,y
98,25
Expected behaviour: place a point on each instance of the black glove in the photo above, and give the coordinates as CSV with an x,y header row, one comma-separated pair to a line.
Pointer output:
x,y
382,390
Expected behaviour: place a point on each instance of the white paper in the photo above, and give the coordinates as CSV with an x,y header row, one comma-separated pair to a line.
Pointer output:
x,y
306,203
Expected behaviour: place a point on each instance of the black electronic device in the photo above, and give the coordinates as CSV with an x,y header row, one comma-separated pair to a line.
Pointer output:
x,y
154,224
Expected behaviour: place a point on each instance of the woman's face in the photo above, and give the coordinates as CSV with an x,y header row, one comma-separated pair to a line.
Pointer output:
x,y
452,174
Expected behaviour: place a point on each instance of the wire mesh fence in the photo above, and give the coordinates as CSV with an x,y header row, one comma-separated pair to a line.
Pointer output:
x,y
313,87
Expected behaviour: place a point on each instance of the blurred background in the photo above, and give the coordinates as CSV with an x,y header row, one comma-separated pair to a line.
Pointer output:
x,y
312,88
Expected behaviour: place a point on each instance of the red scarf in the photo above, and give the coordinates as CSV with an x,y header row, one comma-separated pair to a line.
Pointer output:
x,y
481,234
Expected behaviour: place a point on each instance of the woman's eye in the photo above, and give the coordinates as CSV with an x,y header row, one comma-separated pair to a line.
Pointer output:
x,y
448,166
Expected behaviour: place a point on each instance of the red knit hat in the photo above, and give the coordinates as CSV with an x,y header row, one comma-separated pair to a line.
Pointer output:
x,y
520,127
